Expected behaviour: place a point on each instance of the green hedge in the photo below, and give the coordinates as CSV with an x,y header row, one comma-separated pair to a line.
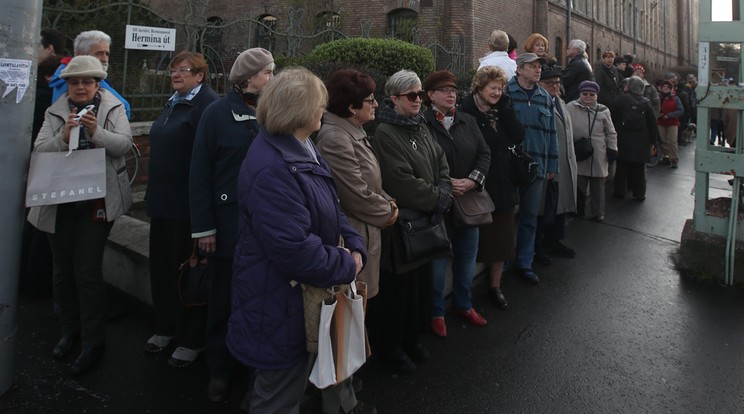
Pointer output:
x,y
385,56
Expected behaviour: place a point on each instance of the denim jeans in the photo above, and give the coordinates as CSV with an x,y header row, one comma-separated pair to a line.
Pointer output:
x,y
530,198
464,248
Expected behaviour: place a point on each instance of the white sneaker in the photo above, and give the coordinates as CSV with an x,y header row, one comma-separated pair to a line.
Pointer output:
x,y
157,343
183,357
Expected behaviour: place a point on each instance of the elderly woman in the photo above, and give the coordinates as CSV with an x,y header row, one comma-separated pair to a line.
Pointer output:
x,y
592,120
495,117
167,199
538,44
226,131
356,172
609,79
414,172
78,231
670,112
284,180
469,158
499,57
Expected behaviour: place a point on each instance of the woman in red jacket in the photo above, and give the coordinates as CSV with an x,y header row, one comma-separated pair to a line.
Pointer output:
x,y
668,123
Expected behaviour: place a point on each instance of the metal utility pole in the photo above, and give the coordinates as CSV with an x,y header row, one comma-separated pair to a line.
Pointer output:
x,y
20,25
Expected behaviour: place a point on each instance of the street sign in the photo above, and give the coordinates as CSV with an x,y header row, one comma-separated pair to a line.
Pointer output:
x,y
727,59
150,38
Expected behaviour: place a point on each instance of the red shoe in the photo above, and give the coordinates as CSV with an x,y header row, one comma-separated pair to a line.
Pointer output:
x,y
438,326
473,317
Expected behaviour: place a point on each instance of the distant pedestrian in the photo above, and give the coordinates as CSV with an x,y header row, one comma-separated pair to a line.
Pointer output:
x,y
538,44
608,79
499,57
668,123
649,91
577,70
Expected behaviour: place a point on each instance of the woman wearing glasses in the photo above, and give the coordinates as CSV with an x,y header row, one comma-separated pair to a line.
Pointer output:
x,y
592,120
415,173
469,158
167,199
344,145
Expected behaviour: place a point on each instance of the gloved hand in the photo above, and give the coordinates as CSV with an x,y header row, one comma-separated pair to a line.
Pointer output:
x,y
611,155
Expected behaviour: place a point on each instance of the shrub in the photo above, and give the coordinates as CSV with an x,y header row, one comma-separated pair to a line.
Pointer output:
x,y
384,56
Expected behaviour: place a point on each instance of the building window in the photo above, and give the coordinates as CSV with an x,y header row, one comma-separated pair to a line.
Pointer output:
x,y
559,52
265,36
327,20
402,24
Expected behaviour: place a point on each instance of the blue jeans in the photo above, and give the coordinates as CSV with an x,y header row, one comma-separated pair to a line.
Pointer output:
x,y
530,198
464,248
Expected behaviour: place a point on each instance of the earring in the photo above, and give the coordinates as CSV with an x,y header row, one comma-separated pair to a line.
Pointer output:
x,y
353,113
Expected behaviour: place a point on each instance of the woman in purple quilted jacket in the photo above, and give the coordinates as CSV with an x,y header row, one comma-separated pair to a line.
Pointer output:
x,y
289,226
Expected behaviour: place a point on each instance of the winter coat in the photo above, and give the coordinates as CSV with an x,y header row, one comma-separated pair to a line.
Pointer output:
x,y
358,179
536,116
501,60
290,223
603,137
414,168
171,145
577,71
566,160
226,130
112,132
671,110
634,139
650,93
609,81
508,132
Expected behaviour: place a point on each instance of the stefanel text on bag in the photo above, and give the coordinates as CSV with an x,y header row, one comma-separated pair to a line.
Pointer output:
x,y
343,346
523,168
60,177
420,237
194,276
583,148
473,209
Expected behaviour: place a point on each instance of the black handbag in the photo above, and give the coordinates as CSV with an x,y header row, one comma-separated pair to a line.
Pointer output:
x,y
473,209
523,168
194,276
583,146
420,237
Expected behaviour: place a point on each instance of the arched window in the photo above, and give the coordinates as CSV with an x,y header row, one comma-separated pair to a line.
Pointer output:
x,y
598,56
402,24
213,33
559,51
265,28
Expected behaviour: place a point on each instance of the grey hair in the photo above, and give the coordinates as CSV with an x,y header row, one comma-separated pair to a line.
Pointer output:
x,y
578,44
85,40
401,81
499,41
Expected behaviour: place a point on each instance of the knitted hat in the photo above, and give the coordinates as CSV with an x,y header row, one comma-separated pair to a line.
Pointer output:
x,y
529,58
439,79
635,85
83,66
588,86
639,68
618,60
249,63
549,73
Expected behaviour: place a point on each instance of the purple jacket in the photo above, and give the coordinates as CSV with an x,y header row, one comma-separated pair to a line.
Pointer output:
x,y
289,225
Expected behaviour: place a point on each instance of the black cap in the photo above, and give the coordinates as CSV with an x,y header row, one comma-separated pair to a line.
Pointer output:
x,y
549,73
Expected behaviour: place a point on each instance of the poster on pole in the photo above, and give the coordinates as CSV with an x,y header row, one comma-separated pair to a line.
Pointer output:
x,y
150,38
703,63
15,74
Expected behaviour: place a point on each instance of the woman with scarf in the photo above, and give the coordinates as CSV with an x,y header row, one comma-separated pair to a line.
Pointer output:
x,y
671,110
227,128
495,117
78,230
468,157
415,173
592,120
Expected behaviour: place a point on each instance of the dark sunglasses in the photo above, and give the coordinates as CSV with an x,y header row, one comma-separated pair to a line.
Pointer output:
x,y
413,95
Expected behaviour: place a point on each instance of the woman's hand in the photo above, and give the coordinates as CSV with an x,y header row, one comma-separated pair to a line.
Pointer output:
x,y
207,244
394,217
71,123
89,122
461,186
358,261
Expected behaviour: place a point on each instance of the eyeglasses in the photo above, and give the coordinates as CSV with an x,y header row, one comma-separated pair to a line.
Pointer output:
x,y
413,95
85,82
181,70
370,101
447,91
588,94
551,83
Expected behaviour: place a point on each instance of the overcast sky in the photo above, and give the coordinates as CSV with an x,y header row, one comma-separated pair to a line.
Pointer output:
x,y
722,10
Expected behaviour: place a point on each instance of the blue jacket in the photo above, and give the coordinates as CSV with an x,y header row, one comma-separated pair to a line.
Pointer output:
x,y
537,117
59,86
226,130
289,227
171,144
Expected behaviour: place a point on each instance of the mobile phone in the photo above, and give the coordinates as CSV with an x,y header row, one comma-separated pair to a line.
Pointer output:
x,y
83,112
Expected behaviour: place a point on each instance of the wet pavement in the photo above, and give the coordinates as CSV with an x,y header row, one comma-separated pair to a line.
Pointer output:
x,y
616,329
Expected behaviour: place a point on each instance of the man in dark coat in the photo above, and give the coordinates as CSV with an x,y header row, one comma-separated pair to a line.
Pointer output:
x,y
577,70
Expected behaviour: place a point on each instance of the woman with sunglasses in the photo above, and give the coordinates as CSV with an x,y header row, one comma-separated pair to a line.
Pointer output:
x,y
469,158
592,120
415,173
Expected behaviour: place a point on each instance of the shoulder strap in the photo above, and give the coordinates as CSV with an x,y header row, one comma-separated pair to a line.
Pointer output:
x,y
591,125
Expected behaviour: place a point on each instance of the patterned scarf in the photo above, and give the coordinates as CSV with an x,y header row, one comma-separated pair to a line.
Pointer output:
x,y
491,112
386,113
445,119
84,142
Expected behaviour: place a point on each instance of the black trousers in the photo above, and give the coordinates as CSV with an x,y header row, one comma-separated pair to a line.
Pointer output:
x,y
220,361
77,247
630,176
170,245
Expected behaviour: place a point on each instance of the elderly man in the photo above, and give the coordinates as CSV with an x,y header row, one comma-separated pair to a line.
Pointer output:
x,y
92,43
534,108
499,44
577,70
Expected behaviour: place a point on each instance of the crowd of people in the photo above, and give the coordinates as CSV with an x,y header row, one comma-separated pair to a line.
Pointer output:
x,y
279,184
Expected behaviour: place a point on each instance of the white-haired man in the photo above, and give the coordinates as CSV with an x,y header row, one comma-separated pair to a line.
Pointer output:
x,y
91,43
577,70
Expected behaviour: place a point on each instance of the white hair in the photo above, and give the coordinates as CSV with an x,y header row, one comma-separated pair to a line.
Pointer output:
x,y
85,40
578,44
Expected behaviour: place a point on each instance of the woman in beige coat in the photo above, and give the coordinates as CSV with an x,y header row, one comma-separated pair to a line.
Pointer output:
x,y
343,144
591,119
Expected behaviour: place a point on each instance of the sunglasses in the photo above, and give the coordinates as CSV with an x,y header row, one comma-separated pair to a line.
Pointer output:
x,y
413,95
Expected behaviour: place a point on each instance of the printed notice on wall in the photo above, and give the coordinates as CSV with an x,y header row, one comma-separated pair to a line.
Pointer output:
x,y
703,63
15,74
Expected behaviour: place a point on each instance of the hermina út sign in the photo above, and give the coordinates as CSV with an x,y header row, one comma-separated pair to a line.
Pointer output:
x,y
57,178
150,38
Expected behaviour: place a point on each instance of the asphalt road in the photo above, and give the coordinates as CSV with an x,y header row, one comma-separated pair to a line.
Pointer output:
x,y
616,329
